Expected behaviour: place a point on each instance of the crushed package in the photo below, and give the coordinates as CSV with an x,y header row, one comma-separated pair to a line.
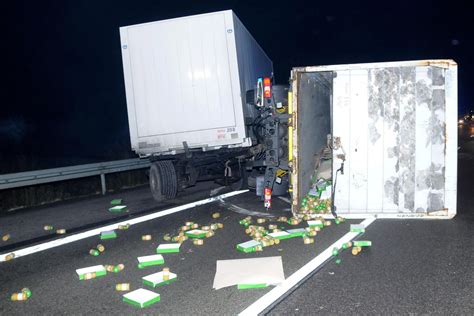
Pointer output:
x,y
250,246
118,208
141,298
159,278
357,228
168,248
108,234
91,272
151,260
116,202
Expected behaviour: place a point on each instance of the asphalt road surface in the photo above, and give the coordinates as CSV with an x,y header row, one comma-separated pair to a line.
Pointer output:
x,y
413,267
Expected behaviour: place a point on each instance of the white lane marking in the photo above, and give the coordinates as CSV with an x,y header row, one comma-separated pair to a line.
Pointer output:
x,y
287,200
96,231
268,299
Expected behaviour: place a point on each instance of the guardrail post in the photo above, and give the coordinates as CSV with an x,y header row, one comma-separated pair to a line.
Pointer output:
x,y
102,182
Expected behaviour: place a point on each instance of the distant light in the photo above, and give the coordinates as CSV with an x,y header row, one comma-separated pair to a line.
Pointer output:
x,y
461,122
455,42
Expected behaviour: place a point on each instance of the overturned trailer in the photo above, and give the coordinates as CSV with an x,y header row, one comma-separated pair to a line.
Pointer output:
x,y
393,137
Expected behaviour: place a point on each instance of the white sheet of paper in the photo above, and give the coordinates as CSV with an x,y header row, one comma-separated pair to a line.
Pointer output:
x,y
267,270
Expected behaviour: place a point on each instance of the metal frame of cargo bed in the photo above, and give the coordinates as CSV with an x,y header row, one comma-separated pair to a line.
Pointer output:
x,y
450,173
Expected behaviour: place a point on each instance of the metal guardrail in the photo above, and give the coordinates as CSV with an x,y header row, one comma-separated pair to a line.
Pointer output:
x,y
21,179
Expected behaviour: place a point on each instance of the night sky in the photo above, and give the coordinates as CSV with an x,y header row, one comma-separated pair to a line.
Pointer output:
x,y
64,98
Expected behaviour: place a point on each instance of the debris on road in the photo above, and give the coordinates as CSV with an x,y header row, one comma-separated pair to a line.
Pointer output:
x,y
146,237
108,234
124,227
100,247
198,242
216,215
338,261
118,208
152,260
357,228
10,256
251,286
356,250
116,202
316,223
168,248
94,252
196,233
6,237
26,291
141,298
48,227
250,246
308,240
362,243
294,221
266,270
61,231
115,269
122,287
19,296
160,278
91,272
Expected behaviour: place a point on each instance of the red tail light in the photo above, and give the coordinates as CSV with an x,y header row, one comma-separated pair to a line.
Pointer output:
x,y
267,91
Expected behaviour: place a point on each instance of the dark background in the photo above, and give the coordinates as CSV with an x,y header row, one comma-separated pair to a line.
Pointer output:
x,y
64,98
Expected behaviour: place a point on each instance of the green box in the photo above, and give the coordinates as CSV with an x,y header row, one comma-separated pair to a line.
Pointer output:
x,y
251,286
108,234
141,298
99,271
168,248
249,246
116,202
362,243
152,260
196,233
357,228
280,235
118,208
316,223
297,232
156,279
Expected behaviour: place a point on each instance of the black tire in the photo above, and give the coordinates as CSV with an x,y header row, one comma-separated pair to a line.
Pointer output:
x,y
163,180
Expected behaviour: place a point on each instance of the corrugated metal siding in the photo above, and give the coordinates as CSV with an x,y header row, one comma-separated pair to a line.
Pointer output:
x,y
392,124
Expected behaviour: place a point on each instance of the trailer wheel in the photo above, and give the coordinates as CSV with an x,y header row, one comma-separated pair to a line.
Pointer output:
x,y
163,180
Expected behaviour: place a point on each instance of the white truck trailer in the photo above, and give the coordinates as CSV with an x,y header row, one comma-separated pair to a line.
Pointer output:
x,y
186,81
